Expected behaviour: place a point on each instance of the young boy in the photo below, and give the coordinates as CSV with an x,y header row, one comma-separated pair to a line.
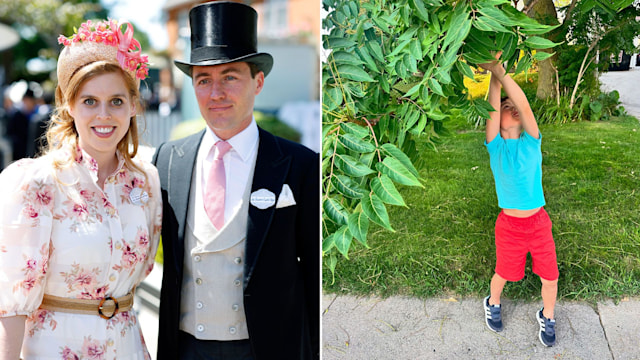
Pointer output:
x,y
523,225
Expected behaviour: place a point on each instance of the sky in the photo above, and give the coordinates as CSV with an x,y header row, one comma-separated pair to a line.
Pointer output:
x,y
146,14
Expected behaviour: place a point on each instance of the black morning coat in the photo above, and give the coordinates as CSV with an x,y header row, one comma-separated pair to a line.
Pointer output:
x,y
283,250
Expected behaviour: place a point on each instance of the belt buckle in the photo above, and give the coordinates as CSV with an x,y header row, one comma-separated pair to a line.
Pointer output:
x,y
115,311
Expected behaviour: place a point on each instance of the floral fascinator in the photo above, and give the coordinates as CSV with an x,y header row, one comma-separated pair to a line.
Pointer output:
x,y
101,41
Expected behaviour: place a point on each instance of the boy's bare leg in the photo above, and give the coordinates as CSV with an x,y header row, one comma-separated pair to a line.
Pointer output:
x,y
549,292
497,284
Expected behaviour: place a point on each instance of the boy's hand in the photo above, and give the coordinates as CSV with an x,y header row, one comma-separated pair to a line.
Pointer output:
x,y
494,65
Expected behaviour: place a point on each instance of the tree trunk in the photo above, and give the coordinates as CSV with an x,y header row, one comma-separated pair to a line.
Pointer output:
x,y
545,13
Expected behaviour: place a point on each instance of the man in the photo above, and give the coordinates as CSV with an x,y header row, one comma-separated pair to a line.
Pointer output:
x,y
241,244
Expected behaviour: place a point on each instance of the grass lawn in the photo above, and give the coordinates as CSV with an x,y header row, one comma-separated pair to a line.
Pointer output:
x,y
444,239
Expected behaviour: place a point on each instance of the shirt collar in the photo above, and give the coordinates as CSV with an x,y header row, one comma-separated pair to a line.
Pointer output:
x,y
243,143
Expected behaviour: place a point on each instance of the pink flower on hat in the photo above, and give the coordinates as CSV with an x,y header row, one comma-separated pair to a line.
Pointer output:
x,y
129,53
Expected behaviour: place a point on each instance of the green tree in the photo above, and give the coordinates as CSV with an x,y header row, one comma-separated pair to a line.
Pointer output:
x,y
40,22
395,72
605,26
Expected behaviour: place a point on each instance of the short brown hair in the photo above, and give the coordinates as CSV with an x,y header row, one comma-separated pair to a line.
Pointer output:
x,y
254,69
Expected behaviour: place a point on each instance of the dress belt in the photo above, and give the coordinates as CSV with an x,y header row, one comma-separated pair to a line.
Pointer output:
x,y
105,308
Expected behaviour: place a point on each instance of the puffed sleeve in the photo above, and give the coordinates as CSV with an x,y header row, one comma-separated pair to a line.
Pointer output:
x,y
154,216
26,207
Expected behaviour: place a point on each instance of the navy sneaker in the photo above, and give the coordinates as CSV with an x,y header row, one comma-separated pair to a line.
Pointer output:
x,y
493,315
547,333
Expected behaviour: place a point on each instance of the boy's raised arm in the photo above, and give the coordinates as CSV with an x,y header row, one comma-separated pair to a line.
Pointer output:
x,y
519,99
493,123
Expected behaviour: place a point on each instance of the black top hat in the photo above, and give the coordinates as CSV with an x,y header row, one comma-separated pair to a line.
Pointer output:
x,y
223,32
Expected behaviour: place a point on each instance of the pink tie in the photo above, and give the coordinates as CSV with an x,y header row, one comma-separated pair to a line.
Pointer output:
x,y
216,183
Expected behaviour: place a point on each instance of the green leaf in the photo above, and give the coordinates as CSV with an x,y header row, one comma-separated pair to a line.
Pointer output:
x,y
459,27
483,39
351,166
353,5
409,34
449,57
410,63
386,191
400,47
523,65
443,76
536,42
417,130
497,15
367,159
354,73
375,210
483,108
335,211
332,97
435,87
465,69
355,89
347,58
541,55
401,70
328,242
347,186
397,172
376,50
421,11
486,3
342,240
354,129
355,143
411,118
413,90
485,23
475,58
333,261
359,226
382,24
383,81
510,46
338,43
415,49
363,53
392,150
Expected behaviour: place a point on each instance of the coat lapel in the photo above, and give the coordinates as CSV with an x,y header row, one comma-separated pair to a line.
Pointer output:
x,y
181,163
272,168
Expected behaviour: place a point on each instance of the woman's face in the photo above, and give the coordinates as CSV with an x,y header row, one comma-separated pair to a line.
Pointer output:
x,y
102,112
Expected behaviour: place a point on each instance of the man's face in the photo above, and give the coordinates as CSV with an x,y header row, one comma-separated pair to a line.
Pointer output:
x,y
226,94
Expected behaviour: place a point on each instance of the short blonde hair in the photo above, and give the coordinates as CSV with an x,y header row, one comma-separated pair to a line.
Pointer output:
x,y
61,132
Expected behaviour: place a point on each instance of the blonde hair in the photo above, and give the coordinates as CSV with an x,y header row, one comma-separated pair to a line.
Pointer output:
x,y
61,132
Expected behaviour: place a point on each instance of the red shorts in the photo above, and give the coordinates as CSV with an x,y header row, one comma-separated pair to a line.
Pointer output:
x,y
515,237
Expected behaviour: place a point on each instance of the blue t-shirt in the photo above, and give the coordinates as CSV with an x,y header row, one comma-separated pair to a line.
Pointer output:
x,y
517,170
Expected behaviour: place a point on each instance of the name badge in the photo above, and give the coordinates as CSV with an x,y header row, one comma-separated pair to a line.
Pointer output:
x,y
263,199
138,196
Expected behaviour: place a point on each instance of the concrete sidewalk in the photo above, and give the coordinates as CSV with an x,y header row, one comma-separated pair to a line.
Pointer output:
x,y
408,328
626,82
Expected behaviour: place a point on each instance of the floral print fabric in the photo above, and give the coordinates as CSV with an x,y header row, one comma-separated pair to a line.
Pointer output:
x,y
62,235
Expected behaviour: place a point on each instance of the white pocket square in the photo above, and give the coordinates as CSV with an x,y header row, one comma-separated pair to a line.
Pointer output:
x,y
286,197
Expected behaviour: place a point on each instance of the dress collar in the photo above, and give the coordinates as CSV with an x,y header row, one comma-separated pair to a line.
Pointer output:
x,y
85,160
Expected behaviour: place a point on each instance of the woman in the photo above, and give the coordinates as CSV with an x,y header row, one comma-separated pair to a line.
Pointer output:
x,y
79,226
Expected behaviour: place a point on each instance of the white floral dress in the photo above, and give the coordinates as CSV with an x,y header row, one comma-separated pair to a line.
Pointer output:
x,y
60,234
